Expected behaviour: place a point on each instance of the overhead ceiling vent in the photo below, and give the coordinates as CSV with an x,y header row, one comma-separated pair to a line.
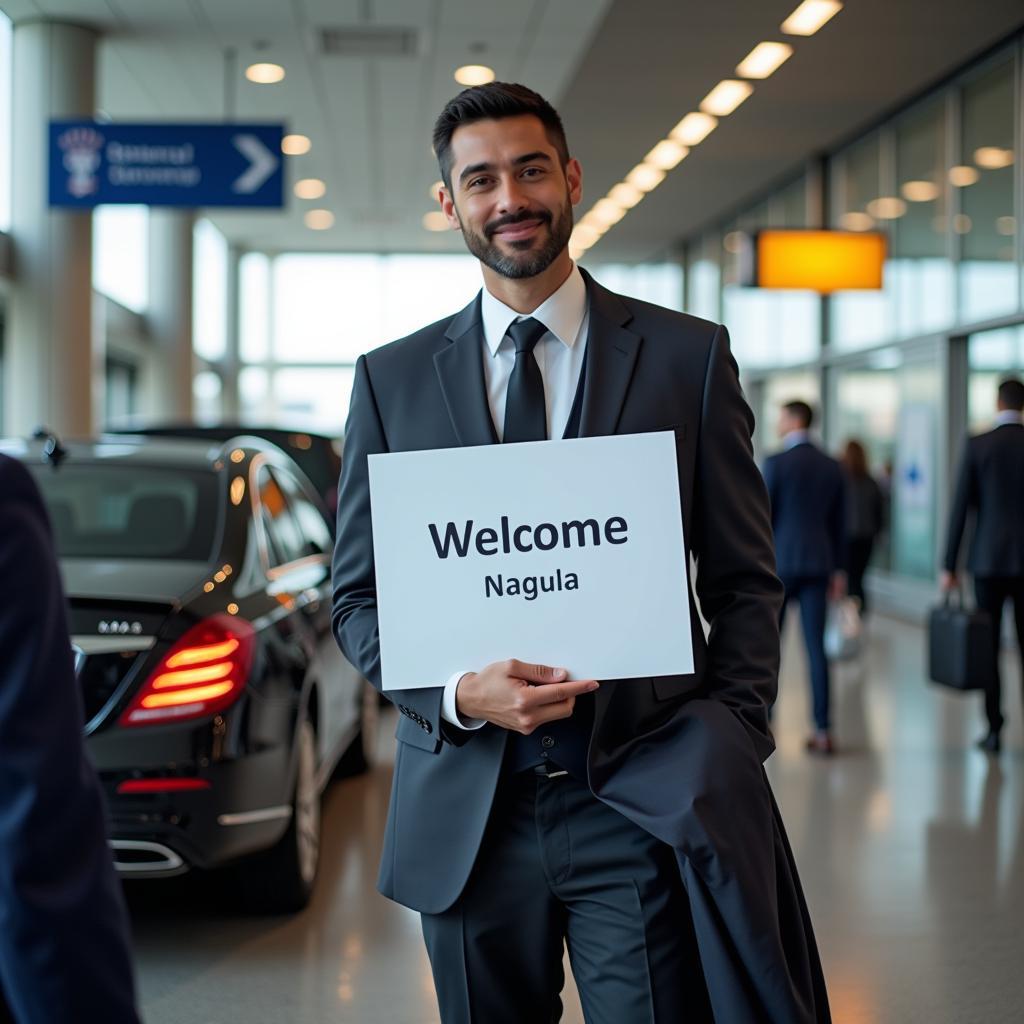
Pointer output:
x,y
368,41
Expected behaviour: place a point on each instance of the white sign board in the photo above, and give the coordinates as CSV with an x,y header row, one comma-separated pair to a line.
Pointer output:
x,y
567,553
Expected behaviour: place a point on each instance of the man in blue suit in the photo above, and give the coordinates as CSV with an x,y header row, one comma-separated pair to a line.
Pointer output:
x,y
64,948
806,489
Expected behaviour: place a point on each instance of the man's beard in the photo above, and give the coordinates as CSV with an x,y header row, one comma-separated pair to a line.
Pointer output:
x,y
528,262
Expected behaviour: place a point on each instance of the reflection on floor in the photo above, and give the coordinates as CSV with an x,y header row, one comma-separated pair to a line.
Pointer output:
x,y
910,843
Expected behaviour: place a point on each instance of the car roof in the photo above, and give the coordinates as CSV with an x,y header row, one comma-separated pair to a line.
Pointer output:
x,y
182,453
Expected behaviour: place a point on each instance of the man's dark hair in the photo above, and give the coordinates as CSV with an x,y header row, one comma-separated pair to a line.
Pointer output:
x,y
493,102
800,411
1011,394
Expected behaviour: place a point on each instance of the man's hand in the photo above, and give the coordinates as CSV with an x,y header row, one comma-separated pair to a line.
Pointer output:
x,y
837,586
519,697
948,581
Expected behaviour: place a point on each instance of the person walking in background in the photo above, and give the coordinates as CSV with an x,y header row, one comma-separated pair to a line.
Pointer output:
x,y
64,945
808,508
991,486
864,519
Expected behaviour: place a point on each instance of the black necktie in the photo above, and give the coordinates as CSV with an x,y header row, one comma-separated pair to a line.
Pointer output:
x,y
525,413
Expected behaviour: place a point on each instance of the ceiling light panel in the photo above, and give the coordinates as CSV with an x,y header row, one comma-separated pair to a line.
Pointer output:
x,y
726,97
810,16
764,59
694,128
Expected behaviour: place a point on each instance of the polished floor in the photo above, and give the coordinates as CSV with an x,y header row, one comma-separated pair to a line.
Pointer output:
x,y
910,844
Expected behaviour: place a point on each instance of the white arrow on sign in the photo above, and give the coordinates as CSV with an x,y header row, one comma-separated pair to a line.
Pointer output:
x,y
262,163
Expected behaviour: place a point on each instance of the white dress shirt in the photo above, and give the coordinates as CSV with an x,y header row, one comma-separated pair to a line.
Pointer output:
x,y
559,354
1008,416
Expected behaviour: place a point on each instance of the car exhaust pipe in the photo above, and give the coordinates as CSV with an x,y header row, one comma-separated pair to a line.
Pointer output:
x,y
138,858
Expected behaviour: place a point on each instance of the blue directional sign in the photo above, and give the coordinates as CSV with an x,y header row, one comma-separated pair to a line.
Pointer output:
x,y
165,164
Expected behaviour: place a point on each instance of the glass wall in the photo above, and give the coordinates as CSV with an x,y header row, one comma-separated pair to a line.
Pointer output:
x,y
920,268
986,226
991,357
5,122
942,180
120,254
209,292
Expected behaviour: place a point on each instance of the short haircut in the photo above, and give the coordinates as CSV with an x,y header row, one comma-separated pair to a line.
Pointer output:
x,y
492,102
801,411
1011,393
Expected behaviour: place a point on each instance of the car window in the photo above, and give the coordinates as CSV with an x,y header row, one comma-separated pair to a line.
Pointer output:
x,y
119,509
316,538
283,535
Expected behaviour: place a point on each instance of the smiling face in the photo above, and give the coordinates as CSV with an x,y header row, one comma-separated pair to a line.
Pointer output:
x,y
510,195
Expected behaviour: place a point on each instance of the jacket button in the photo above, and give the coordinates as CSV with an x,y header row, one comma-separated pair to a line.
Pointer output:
x,y
547,742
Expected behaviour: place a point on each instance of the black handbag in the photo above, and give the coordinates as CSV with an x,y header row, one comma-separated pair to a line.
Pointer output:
x,y
960,645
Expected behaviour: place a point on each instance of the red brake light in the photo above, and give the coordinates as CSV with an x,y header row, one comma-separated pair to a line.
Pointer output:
x,y
169,785
203,673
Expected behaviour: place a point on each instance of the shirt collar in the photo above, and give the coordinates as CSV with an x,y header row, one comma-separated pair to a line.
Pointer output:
x,y
795,437
562,313
1008,416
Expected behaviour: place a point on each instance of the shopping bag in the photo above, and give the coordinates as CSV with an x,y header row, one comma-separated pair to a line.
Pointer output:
x,y
960,653
844,630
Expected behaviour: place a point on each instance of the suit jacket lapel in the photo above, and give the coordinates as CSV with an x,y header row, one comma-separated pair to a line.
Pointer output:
x,y
460,370
611,356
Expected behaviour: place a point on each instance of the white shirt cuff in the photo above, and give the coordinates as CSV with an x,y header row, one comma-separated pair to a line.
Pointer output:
x,y
449,709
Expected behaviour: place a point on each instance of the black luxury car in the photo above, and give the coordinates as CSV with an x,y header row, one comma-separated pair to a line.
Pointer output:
x,y
217,703
316,455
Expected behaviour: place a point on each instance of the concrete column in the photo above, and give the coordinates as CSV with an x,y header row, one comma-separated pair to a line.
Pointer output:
x,y
50,353
170,312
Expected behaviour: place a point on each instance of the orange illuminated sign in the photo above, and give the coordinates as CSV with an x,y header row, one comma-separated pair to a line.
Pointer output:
x,y
820,261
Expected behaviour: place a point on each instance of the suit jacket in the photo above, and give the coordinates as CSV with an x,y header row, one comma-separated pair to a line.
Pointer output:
x,y
648,368
991,484
64,947
807,492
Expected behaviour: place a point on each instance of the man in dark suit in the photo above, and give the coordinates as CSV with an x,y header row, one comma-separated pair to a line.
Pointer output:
x,y
991,485
64,947
806,490
631,819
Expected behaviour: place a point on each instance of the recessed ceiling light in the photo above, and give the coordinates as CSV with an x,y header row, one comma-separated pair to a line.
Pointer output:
x,y
474,74
310,188
435,221
435,188
295,145
810,16
627,196
963,175
726,97
1006,225
319,220
886,208
920,191
962,224
645,177
666,154
855,220
693,128
264,74
764,59
992,158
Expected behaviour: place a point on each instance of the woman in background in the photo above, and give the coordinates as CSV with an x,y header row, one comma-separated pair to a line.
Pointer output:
x,y
863,518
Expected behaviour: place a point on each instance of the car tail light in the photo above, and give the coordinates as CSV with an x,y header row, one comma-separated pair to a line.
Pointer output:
x,y
169,785
203,673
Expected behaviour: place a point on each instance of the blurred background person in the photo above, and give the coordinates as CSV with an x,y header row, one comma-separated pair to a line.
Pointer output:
x,y
808,504
864,518
64,945
991,487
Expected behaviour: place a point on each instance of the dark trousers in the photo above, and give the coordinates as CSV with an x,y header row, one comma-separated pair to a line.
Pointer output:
x,y
858,554
559,867
991,593
812,593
